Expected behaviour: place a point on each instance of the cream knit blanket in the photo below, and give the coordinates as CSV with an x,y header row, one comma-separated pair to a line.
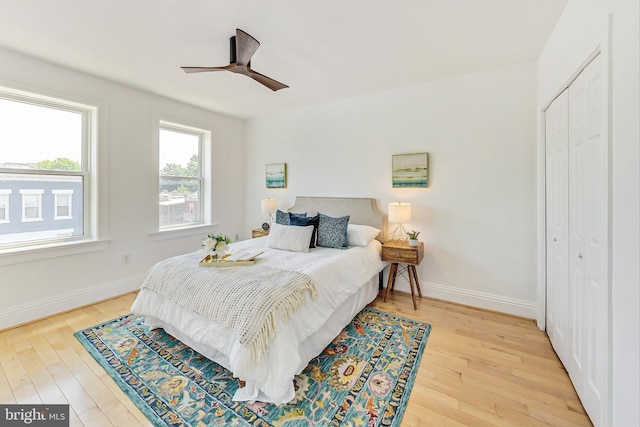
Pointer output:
x,y
250,300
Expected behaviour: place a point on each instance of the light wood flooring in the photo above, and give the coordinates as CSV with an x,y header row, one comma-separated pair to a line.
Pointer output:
x,y
479,368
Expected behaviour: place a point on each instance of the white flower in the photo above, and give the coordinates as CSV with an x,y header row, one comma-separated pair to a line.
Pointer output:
x,y
209,243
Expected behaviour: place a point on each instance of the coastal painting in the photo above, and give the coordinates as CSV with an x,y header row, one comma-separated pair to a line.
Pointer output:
x,y
410,170
276,175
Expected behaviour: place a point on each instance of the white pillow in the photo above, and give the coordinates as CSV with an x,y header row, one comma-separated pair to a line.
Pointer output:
x,y
289,237
361,235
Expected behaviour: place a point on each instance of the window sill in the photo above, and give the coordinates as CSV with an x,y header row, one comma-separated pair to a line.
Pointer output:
x,y
52,250
177,233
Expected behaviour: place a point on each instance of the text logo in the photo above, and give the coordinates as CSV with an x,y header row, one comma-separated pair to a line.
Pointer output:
x,y
34,415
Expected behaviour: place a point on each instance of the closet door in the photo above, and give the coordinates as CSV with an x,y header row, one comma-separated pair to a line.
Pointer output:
x,y
588,241
557,217
577,209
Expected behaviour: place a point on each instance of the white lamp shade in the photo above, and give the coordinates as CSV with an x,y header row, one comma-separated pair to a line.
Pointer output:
x,y
399,212
269,205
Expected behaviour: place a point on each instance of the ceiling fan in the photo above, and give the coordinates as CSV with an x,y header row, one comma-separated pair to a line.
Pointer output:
x,y
242,48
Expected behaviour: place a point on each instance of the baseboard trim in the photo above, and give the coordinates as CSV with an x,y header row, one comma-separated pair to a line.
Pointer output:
x,y
45,307
483,300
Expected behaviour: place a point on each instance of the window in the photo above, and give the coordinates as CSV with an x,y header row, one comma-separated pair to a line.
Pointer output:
x,y
62,204
182,175
4,205
31,205
45,169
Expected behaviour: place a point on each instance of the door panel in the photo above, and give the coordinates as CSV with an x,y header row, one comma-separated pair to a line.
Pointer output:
x,y
577,188
557,154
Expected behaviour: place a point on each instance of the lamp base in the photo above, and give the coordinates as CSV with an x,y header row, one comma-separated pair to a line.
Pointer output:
x,y
399,235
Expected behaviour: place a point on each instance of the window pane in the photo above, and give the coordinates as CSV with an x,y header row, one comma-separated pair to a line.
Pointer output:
x,y
38,137
179,202
62,211
31,212
180,178
179,153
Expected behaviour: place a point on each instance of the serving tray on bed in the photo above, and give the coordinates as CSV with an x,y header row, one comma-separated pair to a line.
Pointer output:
x,y
229,260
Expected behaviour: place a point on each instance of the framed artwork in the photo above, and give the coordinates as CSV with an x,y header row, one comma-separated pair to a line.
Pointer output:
x,y
276,175
410,170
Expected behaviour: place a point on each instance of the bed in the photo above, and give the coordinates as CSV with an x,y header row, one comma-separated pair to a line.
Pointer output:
x,y
343,281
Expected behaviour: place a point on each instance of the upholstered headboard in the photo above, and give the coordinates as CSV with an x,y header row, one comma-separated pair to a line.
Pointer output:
x,y
362,210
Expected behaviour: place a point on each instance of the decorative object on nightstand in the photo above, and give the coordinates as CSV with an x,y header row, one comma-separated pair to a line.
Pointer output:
x,y
402,253
400,213
259,232
268,206
413,238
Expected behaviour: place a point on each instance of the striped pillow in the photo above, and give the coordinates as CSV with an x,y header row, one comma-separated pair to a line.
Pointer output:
x,y
289,238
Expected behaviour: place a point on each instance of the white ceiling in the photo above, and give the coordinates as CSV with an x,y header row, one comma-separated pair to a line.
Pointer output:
x,y
324,50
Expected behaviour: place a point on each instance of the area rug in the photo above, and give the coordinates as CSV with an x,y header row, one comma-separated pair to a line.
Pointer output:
x,y
363,378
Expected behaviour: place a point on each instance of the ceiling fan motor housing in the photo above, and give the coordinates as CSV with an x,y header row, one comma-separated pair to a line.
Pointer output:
x,y
232,51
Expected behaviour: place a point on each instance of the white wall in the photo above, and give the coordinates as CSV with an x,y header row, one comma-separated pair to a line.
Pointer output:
x,y
577,33
33,285
477,217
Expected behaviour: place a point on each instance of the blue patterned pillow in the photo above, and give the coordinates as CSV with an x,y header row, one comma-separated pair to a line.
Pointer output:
x,y
332,232
299,220
283,217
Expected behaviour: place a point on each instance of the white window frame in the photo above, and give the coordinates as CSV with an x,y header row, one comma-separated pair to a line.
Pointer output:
x,y
69,194
15,252
4,197
37,193
204,178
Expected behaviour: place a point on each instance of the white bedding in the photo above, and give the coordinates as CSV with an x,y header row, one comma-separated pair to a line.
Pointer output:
x,y
345,281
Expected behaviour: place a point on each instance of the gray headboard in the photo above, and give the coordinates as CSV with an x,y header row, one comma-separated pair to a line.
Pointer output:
x,y
363,210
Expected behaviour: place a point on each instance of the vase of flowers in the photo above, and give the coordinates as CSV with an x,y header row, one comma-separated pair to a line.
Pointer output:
x,y
217,245
413,238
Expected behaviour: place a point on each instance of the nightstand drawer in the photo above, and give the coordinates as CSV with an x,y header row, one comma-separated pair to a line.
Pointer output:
x,y
402,253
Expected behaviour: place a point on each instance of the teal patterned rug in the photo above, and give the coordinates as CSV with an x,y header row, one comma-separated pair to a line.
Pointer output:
x,y
363,378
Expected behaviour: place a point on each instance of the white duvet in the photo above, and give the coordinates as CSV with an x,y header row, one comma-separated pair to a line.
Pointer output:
x,y
345,280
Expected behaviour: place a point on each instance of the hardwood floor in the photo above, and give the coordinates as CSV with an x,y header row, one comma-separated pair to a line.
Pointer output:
x,y
478,369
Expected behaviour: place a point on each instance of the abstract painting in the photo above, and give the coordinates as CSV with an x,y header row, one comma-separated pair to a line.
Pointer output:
x,y
276,175
410,170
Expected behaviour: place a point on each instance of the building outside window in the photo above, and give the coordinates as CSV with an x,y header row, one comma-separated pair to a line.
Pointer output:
x,y
181,175
31,205
4,205
47,148
62,203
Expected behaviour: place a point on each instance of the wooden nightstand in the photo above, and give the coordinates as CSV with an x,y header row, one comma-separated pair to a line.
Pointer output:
x,y
402,253
259,232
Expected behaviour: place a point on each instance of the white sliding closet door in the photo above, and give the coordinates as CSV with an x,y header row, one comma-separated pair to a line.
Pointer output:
x,y
577,236
557,190
588,242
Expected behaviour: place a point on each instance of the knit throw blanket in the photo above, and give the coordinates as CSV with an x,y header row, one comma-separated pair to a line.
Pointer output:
x,y
250,300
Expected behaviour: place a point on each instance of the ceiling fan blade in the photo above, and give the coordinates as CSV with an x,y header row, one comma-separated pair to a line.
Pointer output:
x,y
267,81
246,46
204,69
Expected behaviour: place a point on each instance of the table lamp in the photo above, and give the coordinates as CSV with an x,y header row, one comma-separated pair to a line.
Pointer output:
x,y
400,213
268,206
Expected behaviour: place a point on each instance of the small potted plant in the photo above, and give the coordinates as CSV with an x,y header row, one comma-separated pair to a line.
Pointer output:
x,y
413,238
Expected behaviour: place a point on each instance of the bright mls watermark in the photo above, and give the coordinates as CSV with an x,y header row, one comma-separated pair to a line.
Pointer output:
x,y
34,415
